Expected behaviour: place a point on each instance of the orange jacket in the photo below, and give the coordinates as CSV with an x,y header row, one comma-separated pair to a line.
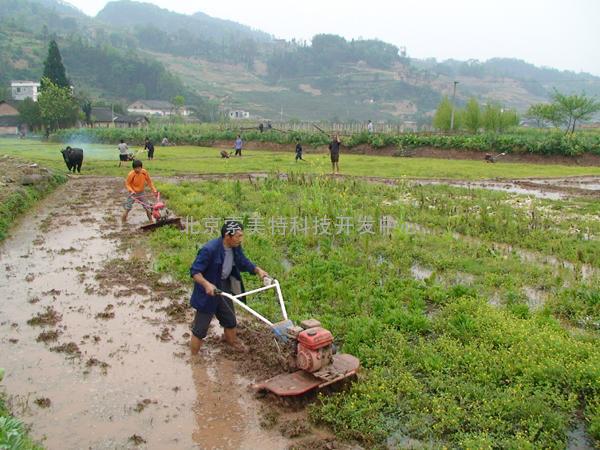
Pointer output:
x,y
135,182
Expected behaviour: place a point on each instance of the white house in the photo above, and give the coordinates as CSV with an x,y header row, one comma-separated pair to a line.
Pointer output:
x,y
25,89
156,108
238,114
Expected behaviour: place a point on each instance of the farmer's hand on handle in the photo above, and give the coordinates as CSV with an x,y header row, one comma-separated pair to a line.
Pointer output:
x,y
211,289
261,273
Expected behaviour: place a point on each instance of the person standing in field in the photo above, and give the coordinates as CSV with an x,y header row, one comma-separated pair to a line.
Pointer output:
x,y
217,266
298,150
124,154
334,153
135,183
238,145
370,127
148,145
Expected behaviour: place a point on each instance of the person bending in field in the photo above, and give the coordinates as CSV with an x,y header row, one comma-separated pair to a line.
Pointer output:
x,y
135,183
217,266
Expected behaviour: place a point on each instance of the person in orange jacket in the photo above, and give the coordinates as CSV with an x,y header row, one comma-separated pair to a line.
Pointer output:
x,y
135,183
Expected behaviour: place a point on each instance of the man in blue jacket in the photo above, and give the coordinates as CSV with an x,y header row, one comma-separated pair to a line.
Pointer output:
x,y
218,266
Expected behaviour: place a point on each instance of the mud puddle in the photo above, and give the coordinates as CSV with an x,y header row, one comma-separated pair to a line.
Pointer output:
x,y
105,364
589,183
512,187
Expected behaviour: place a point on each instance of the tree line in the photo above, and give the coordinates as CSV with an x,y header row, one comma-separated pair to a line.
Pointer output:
x,y
564,111
326,53
491,117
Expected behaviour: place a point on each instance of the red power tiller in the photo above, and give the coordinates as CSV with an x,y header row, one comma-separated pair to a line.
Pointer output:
x,y
158,211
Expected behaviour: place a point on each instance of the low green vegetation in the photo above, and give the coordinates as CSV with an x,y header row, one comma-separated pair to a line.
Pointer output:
x,y
102,159
475,327
15,202
536,142
13,435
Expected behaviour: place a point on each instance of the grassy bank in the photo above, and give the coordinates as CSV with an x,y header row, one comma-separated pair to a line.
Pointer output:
x,y
103,160
16,199
465,341
13,435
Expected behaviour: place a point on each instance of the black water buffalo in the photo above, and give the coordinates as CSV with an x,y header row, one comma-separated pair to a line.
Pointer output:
x,y
73,158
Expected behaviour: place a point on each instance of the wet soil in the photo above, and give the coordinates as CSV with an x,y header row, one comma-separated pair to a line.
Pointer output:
x,y
101,340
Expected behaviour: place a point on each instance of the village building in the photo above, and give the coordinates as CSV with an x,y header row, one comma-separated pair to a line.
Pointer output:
x,y
10,121
239,114
104,117
25,89
157,108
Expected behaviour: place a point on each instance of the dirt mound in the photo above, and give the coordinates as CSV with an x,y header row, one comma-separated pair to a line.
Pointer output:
x,y
265,358
16,173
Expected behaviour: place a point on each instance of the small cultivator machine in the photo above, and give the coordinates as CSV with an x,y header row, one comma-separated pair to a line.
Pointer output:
x,y
314,360
161,216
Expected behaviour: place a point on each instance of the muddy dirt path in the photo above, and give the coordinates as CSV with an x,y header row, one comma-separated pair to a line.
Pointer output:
x,y
91,360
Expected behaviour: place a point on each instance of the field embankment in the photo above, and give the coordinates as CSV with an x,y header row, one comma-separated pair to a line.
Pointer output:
x,y
21,185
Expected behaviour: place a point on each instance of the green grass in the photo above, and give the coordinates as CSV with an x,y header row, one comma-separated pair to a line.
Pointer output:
x,y
22,199
103,160
13,435
461,359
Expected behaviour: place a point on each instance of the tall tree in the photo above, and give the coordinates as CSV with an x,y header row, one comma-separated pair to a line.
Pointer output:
x,y
544,113
443,114
58,108
492,117
575,108
178,101
29,111
508,118
54,70
472,116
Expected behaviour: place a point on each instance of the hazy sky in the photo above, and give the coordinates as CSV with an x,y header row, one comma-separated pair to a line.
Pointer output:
x,y
557,33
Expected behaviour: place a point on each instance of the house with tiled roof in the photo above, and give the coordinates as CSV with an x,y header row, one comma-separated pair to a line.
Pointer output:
x,y
10,120
156,108
104,117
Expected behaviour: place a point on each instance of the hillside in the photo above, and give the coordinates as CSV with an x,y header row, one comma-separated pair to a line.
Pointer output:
x,y
132,50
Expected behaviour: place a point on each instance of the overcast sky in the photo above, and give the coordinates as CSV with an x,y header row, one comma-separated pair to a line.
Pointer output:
x,y
564,34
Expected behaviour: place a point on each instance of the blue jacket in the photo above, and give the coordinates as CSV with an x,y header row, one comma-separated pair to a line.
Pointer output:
x,y
209,262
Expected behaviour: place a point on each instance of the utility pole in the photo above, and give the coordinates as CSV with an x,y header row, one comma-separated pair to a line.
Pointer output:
x,y
452,115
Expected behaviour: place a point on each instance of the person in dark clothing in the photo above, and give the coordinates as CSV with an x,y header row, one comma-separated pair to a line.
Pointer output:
x,y
334,153
261,127
217,266
150,147
298,151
